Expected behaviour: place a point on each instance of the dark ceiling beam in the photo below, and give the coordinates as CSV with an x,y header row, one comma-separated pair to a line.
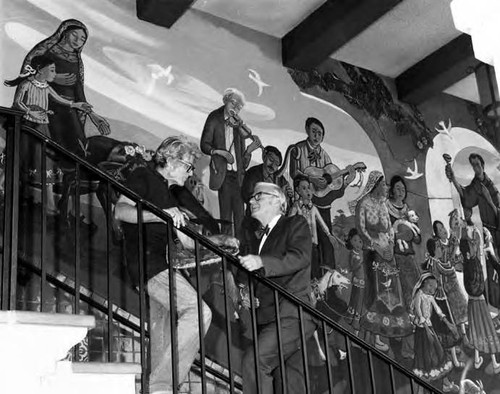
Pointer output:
x,y
162,12
328,28
438,71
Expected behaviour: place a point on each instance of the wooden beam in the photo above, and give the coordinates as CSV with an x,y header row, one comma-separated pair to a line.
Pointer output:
x,y
328,28
438,71
162,12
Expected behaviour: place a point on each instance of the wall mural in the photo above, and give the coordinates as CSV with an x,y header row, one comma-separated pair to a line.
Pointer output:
x,y
397,233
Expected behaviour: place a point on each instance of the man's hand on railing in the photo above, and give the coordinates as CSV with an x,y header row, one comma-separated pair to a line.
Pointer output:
x,y
179,218
251,262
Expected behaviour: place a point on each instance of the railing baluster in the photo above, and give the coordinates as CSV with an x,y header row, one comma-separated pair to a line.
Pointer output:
x,y
348,349
77,238
173,308
108,271
228,326
393,381
201,323
255,335
372,373
327,355
142,299
43,192
304,349
280,342
10,252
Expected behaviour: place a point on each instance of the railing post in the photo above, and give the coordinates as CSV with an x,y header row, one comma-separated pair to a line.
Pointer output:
x,y
228,326
10,244
173,308
201,323
142,301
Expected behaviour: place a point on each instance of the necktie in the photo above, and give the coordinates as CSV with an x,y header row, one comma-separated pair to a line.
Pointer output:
x,y
261,231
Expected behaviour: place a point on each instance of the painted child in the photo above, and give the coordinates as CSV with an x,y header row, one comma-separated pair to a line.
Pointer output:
x,y
431,361
303,206
356,308
32,96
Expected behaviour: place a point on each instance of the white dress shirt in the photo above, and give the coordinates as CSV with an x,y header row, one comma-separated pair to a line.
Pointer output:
x,y
230,144
271,225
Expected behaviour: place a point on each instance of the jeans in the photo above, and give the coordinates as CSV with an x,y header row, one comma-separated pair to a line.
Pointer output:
x,y
188,341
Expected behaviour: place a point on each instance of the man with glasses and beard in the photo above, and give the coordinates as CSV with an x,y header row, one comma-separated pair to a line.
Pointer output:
x,y
284,256
173,165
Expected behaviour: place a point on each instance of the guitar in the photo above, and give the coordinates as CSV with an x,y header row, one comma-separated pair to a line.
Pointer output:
x,y
334,180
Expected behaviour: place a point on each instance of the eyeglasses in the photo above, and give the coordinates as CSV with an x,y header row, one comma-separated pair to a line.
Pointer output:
x,y
190,166
237,104
258,196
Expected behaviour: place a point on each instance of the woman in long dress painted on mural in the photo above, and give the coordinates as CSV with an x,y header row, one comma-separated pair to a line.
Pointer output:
x,y
482,334
64,48
386,314
405,256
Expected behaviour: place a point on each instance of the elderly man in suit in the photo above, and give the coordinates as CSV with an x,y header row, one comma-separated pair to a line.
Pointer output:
x,y
283,255
224,140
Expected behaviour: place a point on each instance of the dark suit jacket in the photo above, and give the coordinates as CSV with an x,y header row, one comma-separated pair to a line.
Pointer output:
x,y
214,137
286,255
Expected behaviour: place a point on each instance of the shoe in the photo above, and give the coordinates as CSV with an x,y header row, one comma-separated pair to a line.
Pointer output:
x,y
496,370
477,365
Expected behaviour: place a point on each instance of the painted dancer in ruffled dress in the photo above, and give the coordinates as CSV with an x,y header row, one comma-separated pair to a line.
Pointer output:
x,y
482,334
431,361
457,299
449,339
386,314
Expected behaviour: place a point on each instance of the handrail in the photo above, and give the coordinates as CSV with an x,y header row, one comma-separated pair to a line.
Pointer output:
x,y
228,257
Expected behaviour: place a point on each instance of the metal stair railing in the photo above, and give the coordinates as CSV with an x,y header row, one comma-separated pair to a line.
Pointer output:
x,y
10,264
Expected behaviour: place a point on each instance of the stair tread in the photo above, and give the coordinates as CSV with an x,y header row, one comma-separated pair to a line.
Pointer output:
x,y
103,368
49,319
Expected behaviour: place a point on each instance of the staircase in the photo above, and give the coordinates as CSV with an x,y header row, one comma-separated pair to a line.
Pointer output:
x,y
65,274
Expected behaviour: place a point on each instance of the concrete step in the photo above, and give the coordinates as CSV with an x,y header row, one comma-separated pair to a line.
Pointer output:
x,y
95,378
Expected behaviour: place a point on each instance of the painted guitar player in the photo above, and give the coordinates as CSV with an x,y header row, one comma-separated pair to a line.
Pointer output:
x,y
308,158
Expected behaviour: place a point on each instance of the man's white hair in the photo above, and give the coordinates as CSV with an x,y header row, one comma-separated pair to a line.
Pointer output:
x,y
275,189
231,93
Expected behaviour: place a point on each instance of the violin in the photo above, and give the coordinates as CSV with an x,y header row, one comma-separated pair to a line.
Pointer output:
x,y
237,122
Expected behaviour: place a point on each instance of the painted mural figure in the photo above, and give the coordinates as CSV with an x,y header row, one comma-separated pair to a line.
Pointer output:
x,y
481,192
64,48
431,361
223,140
492,269
32,96
303,206
449,339
386,314
482,334
403,253
457,299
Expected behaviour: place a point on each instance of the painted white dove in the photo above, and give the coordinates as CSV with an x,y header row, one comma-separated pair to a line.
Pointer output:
x,y
255,76
413,174
158,72
442,128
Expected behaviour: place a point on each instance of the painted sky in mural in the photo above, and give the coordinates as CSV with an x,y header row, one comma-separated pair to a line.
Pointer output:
x,y
151,82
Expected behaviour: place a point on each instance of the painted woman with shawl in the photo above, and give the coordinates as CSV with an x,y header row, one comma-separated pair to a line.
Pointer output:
x,y
386,311
64,47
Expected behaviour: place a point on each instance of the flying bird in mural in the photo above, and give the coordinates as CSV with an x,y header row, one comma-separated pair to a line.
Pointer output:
x,y
413,174
442,128
158,72
255,76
